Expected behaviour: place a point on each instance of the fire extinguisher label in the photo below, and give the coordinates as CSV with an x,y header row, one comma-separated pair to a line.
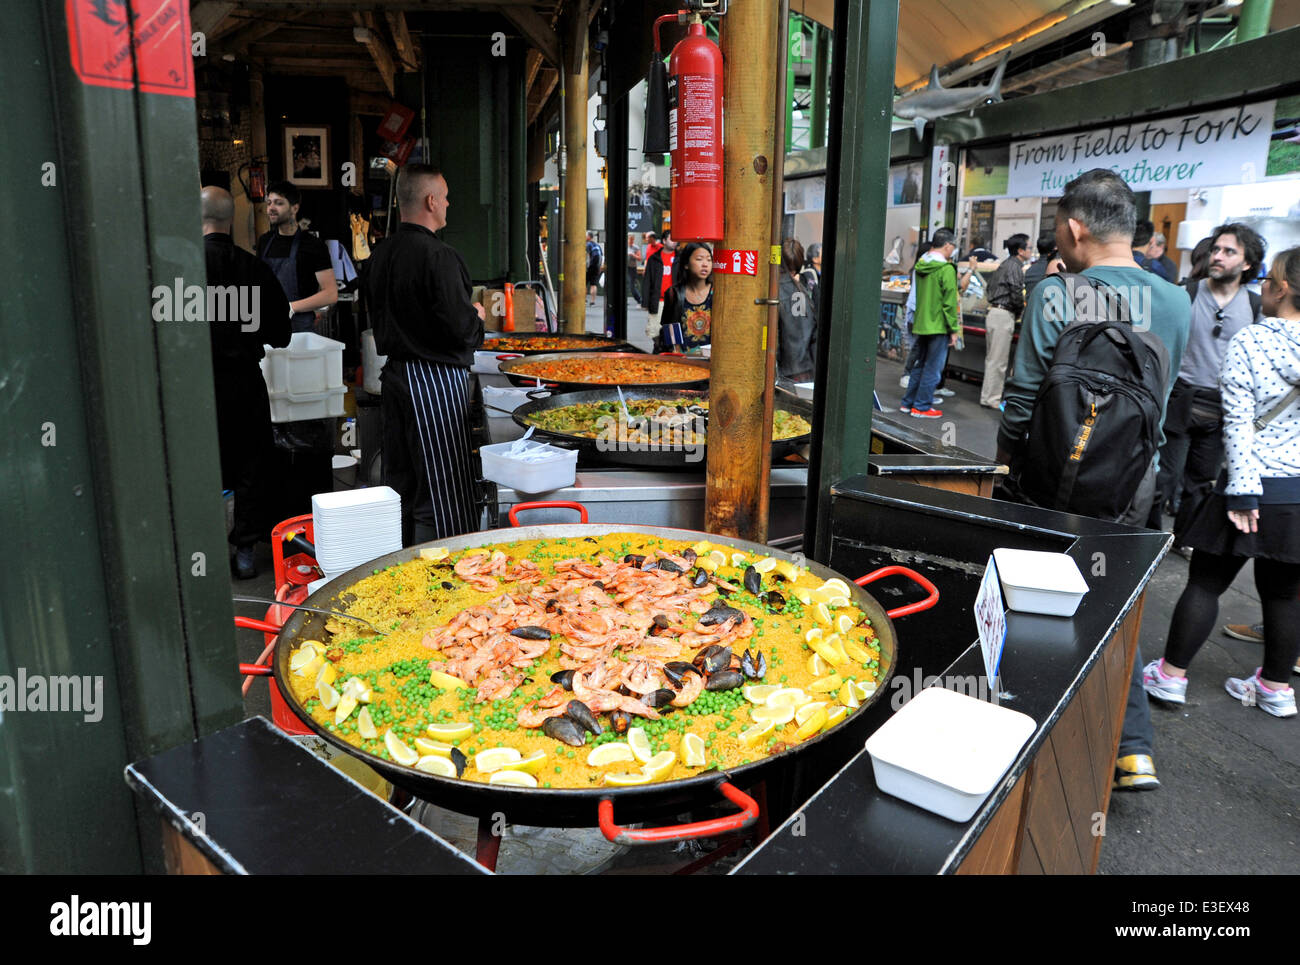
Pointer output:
x,y
727,261
700,141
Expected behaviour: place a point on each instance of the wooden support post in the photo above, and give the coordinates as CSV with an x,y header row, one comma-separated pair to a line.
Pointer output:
x,y
573,274
257,141
740,415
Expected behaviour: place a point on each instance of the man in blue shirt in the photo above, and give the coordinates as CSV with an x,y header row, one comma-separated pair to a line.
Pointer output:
x,y
1095,221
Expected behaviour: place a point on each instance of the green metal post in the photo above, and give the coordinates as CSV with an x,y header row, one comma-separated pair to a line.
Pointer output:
x,y
795,44
111,459
821,56
857,174
1254,20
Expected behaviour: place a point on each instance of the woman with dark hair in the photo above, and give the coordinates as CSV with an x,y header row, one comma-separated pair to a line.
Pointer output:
x,y
1256,513
1200,261
688,304
797,325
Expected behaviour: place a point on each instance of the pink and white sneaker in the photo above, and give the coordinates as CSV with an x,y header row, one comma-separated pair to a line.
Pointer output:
x,y
1252,692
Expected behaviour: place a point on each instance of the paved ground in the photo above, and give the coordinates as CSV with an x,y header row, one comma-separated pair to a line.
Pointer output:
x,y
1230,796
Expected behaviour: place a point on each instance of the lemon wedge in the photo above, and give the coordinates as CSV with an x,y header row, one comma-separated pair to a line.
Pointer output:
x,y
754,733
739,560
628,779
718,557
445,681
836,643
863,688
613,753
449,732
824,593
310,666
812,725
347,703
787,569
495,758
659,766
817,666
702,547
838,601
788,695
365,725
766,565
758,693
808,710
827,652
513,779
816,633
780,714
529,765
843,623
855,652
434,764
802,594
834,715
434,748
329,697
839,584
822,614
399,750
640,744
693,754
824,684
327,674
849,696
434,553
707,563
315,645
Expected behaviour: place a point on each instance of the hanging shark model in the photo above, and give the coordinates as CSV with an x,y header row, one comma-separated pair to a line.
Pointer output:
x,y
935,100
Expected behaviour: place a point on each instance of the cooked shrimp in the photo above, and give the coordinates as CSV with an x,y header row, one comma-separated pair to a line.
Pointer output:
x,y
470,564
532,715
692,687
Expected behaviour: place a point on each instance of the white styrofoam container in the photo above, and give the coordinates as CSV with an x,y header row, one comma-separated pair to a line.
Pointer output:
x,y
293,407
945,752
309,365
560,469
372,363
1037,582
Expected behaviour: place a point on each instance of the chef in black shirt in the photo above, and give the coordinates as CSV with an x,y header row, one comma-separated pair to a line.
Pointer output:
x,y
418,291
243,410
300,260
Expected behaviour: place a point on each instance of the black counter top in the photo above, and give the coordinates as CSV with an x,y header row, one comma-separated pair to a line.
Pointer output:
x,y
849,825
906,449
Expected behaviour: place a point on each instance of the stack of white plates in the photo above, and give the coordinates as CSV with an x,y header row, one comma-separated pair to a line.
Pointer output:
x,y
355,526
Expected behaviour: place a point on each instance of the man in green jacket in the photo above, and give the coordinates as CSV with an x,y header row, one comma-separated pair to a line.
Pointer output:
x,y
936,324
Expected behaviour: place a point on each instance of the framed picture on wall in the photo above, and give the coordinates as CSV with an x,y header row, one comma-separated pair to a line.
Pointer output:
x,y
307,156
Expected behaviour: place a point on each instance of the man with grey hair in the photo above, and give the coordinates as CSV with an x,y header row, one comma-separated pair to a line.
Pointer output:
x,y
1158,263
418,290
1095,221
243,409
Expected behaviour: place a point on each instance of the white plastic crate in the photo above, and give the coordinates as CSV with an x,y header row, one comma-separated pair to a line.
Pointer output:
x,y
292,407
309,364
557,470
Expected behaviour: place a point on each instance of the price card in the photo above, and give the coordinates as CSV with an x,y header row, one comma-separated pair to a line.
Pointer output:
x,y
991,620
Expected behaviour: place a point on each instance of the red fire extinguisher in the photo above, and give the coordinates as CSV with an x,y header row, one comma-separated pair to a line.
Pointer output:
x,y
695,134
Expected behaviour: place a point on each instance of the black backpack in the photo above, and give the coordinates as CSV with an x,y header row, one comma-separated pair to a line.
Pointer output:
x,y
1096,422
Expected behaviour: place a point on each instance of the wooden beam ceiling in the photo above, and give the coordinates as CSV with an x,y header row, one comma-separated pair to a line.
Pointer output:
x,y
407,51
378,47
206,15
536,30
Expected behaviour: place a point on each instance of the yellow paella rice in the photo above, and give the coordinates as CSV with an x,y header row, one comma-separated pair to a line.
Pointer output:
x,y
486,648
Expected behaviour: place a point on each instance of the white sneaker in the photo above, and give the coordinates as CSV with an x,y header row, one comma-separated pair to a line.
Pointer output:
x,y
1161,686
1252,692
946,393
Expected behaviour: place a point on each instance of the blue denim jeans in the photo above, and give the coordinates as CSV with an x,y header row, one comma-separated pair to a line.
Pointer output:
x,y
925,377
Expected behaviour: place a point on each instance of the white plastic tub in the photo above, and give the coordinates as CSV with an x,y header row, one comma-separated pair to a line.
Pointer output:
x,y
294,407
1037,582
304,380
946,752
557,470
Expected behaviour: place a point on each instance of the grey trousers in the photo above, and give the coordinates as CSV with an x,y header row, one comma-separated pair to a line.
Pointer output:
x,y
998,329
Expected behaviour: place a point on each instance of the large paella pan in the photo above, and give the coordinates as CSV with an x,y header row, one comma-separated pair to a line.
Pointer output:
x,y
420,689
591,369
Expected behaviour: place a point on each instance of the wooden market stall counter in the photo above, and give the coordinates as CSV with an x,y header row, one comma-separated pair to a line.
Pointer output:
x,y
1071,675
265,803
903,452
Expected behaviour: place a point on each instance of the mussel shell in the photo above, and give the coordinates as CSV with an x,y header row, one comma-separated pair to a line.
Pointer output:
x,y
634,559
753,666
714,658
724,680
661,621
721,613
551,606
668,566
774,601
448,586
565,729
688,555
620,720
590,539
531,632
699,578
658,698
564,678
581,713
753,582
676,671
459,760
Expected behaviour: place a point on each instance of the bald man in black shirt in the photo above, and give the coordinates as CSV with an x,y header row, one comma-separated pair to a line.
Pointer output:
x,y
243,408
418,291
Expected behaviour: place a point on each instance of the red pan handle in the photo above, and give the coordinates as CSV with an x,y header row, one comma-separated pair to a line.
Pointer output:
x,y
682,832
912,575
503,358
255,670
680,355
546,504
248,623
